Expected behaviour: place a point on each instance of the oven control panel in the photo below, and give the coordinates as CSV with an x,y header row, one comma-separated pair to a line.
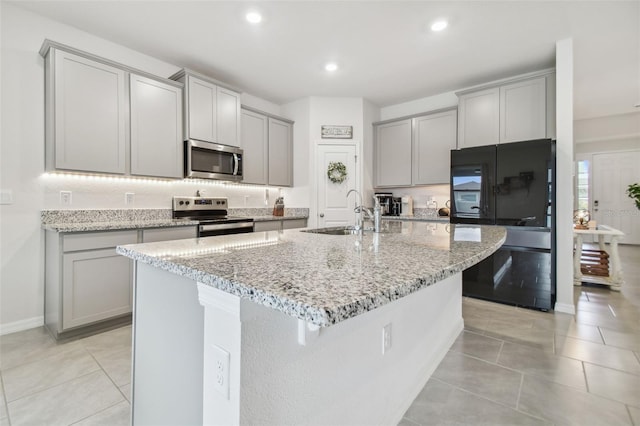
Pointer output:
x,y
199,203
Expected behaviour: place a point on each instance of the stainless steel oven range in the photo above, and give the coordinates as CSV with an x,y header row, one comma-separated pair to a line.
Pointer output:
x,y
211,212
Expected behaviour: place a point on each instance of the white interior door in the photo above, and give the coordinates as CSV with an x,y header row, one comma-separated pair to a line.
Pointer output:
x,y
334,208
612,174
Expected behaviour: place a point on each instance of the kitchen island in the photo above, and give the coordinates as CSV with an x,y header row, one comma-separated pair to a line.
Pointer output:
x,y
296,327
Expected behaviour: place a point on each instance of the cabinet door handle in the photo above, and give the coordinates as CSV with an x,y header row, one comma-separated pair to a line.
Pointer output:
x,y
321,214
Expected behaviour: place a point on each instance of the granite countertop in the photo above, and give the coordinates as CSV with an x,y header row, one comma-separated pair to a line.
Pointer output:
x,y
118,219
116,225
444,219
325,279
268,218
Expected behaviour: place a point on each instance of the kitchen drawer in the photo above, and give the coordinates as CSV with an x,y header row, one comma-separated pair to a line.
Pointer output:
x,y
168,234
98,240
294,223
270,225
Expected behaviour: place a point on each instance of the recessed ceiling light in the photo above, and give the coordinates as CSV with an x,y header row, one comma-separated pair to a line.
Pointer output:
x,y
331,67
439,25
254,17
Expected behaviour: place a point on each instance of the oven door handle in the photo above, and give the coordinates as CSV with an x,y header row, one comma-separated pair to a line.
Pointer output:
x,y
221,226
236,164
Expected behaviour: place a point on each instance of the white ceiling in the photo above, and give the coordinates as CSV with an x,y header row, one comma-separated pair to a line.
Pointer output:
x,y
385,50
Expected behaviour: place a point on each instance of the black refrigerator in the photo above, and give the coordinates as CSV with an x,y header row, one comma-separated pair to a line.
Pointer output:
x,y
511,185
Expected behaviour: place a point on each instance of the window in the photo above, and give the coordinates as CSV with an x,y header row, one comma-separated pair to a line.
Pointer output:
x,y
582,185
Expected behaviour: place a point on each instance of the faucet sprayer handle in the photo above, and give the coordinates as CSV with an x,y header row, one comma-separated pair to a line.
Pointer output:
x,y
377,202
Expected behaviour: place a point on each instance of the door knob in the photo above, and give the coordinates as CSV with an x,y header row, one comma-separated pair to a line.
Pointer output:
x,y
321,214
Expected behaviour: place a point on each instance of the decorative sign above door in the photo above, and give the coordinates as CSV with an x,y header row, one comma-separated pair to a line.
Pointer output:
x,y
336,132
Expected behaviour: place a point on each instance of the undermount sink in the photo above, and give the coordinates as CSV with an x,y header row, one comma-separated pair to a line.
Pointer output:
x,y
336,230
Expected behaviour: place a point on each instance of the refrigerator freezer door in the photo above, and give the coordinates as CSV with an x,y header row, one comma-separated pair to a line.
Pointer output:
x,y
472,185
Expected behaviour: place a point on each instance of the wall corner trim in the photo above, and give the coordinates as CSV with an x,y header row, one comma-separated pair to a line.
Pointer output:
x,y
565,308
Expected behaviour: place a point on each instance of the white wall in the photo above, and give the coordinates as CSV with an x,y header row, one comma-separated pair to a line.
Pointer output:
x,y
300,112
564,176
606,134
417,106
310,114
22,160
371,114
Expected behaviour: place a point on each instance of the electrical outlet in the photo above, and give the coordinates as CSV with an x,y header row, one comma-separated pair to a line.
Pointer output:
x,y
129,198
386,338
221,370
65,198
6,196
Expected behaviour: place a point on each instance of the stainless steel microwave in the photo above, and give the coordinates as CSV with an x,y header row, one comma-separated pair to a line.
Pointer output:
x,y
212,161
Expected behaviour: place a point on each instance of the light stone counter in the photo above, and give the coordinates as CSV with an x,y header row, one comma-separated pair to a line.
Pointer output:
x,y
325,279
84,220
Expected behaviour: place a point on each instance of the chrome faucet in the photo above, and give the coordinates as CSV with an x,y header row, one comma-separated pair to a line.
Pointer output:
x,y
358,209
364,212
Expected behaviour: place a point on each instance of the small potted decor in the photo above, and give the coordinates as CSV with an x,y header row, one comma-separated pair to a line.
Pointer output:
x,y
633,191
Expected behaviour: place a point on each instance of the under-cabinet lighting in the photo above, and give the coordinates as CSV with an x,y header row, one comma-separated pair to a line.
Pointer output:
x,y
78,177
218,248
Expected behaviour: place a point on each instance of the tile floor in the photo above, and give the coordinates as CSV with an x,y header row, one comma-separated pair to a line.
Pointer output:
x,y
510,366
514,366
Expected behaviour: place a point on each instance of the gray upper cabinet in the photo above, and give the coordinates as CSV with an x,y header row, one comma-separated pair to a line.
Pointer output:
x,y
255,144
86,114
520,109
201,114
479,120
105,117
212,111
280,153
156,128
229,123
523,110
393,154
434,136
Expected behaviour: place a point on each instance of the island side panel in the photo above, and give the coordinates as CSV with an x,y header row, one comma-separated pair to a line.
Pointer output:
x,y
340,376
168,332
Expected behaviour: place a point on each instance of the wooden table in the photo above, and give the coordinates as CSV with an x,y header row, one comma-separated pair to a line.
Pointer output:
x,y
612,275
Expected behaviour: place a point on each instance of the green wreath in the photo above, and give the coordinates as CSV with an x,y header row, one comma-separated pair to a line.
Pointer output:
x,y
337,172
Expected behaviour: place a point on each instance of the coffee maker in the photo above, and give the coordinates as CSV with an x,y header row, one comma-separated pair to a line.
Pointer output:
x,y
386,202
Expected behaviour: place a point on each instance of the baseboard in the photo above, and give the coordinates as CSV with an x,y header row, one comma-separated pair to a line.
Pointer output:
x,y
565,308
21,325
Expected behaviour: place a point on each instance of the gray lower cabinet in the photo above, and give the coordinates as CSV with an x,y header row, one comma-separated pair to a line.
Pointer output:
x,y
96,286
86,281
278,225
87,284
168,234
